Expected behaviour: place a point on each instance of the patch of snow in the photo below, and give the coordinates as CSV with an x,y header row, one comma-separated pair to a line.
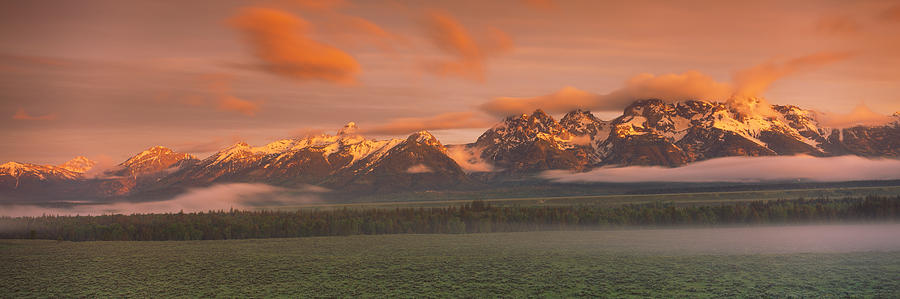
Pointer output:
x,y
602,135
625,130
636,121
79,164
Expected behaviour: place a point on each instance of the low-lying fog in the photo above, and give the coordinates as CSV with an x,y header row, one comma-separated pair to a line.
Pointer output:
x,y
239,196
745,169
733,240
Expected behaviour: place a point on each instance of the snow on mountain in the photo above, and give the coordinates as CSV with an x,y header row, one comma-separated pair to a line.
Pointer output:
x,y
537,142
584,123
649,132
79,164
298,160
14,174
152,160
345,160
350,129
419,162
654,132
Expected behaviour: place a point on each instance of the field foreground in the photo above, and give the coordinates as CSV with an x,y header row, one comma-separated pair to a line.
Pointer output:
x,y
779,261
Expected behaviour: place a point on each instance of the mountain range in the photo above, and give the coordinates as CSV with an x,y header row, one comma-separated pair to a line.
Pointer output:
x,y
649,132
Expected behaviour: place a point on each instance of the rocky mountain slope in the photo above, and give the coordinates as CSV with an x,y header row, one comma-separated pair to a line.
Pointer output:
x,y
346,160
14,175
532,143
653,132
649,132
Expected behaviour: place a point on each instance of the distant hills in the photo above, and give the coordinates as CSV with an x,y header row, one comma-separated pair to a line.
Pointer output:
x,y
649,132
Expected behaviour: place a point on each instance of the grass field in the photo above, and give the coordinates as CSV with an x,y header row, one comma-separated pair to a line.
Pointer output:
x,y
808,261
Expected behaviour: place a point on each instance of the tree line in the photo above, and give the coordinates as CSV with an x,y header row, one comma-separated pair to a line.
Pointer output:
x,y
474,217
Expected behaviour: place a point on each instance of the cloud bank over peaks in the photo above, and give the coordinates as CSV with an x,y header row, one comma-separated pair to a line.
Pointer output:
x,y
743,93
671,87
444,121
750,83
745,170
860,116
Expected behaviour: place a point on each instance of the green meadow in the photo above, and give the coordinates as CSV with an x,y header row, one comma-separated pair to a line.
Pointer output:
x,y
724,262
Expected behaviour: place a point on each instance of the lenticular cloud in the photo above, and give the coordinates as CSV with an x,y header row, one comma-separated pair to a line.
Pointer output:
x,y
745,169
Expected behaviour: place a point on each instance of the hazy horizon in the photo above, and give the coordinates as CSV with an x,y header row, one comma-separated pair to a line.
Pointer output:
x,y
107,79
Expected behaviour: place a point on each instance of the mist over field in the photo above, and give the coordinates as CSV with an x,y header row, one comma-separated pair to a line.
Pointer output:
x,y
744,170
745,240
238,196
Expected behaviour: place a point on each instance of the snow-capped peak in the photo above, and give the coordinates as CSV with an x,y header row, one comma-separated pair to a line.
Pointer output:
x,y
239,145
151,152
347,142
583,122
41,172
349,129
79,164
11,166
538,113
152,160
423,137
237,150
578,113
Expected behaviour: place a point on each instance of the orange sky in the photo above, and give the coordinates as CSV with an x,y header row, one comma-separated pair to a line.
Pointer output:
x,y
110,78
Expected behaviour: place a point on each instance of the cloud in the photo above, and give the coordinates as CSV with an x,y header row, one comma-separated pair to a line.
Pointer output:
x,y
498,41
280,40
216,93
306,132
743,93
745,169
891,14
355,30
468,55
860,116
240,196
469,158
753,81
418,168
207,146
32,60
837,25
445,121
671,87
366,26
231,103
319,5
566,99
543,5
21,114
348,29
102,163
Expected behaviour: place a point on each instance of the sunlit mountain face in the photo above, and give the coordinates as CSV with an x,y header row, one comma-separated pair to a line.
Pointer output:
x,y
648,133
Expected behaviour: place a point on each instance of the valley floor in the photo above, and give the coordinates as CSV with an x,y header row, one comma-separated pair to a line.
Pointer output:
x,y
772,261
